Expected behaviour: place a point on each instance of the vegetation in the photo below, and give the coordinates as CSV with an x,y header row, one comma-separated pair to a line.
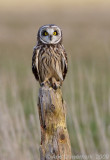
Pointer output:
x,y
86,90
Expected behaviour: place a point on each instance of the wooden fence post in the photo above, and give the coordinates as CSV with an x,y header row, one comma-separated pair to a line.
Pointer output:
x,y
55,143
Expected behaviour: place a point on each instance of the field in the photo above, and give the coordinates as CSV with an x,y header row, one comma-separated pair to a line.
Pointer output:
x,y
86,89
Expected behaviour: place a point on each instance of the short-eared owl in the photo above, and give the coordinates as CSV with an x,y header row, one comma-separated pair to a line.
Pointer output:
x,y
49,61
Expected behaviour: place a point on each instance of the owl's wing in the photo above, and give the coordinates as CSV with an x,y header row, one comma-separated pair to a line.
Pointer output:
x,y
64,63
35,63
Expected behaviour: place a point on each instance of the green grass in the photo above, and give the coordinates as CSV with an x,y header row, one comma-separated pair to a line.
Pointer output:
x,y
86,89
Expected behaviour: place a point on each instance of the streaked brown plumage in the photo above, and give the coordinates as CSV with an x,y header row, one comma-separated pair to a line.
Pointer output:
x,y
49,61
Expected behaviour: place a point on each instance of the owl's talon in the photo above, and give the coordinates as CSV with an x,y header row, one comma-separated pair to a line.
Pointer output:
x,y
54,86
45,83
42,84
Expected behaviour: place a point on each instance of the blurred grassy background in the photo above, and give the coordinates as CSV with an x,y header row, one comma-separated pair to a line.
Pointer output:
x,y
86,37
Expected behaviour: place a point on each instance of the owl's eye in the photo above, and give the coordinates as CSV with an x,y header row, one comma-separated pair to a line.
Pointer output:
x,y
45,33
55,33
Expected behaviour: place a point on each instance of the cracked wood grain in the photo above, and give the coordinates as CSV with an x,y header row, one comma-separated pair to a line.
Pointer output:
x,y
55,143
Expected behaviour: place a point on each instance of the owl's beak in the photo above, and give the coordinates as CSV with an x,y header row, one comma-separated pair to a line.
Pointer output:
x,y
50,37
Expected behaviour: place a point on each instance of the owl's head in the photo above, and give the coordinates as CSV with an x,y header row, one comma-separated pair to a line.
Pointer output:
x,y
49,34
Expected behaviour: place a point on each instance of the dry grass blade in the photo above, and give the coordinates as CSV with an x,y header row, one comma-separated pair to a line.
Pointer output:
x,y
75,121
74,117
88,138
16,140
105,146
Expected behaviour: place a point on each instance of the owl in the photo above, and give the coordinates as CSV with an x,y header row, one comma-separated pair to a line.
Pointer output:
x,y
49,60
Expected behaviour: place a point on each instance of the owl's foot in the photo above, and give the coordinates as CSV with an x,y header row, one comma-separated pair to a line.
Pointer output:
x,y
51,83
45,83
55,84
42,84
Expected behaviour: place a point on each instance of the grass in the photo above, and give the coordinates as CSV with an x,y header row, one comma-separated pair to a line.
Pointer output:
x,y
86,89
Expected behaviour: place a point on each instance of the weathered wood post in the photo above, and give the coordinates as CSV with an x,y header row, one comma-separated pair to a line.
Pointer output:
x,y
55,143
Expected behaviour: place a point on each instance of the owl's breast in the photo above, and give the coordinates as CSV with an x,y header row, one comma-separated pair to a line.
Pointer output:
x,y
50,64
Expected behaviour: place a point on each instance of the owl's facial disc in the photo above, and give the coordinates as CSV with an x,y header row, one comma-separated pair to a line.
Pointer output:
x,y
50,34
